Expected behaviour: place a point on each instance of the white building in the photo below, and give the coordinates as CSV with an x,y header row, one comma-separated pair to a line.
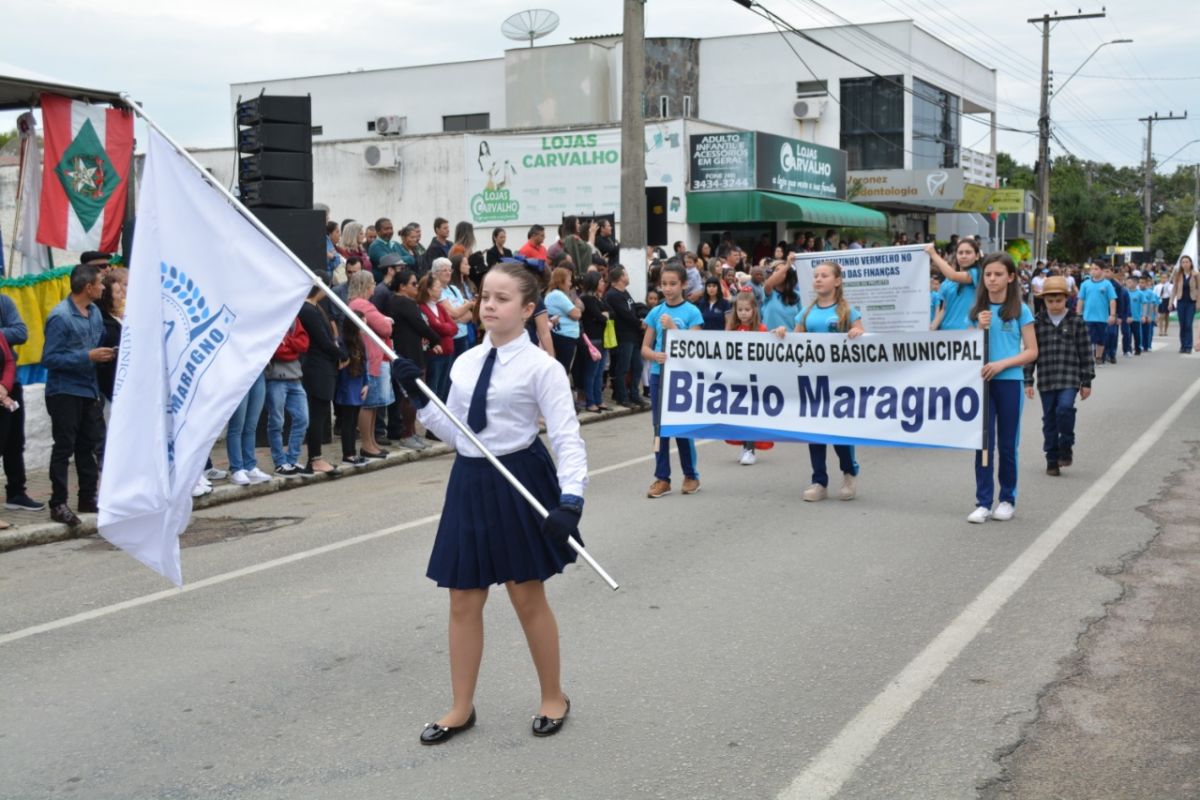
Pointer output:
x,y
893,97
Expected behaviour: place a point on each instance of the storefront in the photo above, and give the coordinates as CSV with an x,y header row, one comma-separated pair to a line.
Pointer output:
x,y
749,184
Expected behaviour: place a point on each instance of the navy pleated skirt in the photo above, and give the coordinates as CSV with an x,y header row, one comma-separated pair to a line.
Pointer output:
x,y
489,533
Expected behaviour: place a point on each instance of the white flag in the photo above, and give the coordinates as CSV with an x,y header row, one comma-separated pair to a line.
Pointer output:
x,y
210,299
1189,249
35,258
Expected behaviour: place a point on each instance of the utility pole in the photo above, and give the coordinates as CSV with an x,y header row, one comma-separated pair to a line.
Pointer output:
x,y
1146,207
633,146
1040,236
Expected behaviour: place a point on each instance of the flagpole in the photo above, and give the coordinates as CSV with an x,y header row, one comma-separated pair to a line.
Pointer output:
x,y
12,247
366,330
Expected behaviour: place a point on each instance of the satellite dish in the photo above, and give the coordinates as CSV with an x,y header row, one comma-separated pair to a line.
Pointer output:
x,y
530,25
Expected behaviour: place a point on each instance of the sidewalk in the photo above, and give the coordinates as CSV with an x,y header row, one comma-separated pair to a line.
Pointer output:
x,y
37,527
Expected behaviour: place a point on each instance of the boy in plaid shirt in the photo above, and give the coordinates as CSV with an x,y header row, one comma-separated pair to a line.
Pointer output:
x,y
1064,367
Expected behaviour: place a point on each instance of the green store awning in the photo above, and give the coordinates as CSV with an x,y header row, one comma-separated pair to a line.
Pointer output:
x,y
756,206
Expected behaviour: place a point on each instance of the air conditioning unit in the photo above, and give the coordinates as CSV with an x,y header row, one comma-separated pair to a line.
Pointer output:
x,y
390,125
809,108
381,156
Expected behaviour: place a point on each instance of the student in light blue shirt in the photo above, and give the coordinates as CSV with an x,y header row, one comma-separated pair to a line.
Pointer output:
x,y
935,299
674,313
1012,343
781,300
961,285
1098,307
561,305
830,313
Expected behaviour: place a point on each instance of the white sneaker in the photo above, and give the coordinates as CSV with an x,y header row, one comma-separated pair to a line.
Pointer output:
x,y
748,458
849,487
215,474
1004,512
815,493
256,475
240,478
201,488
980,514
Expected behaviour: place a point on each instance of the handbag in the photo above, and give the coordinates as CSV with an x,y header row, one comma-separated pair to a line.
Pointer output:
x,y
610,334
592,351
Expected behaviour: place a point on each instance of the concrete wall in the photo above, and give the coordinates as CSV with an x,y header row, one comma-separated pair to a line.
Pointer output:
x,y
344,103
567,84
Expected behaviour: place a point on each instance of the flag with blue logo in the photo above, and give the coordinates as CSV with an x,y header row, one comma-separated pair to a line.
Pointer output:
x,y
209,300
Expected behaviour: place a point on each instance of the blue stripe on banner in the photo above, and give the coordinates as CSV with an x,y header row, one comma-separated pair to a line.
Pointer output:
x,y
741,433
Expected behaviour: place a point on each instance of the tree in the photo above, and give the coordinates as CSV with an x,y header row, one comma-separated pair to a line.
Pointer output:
x,y
5,138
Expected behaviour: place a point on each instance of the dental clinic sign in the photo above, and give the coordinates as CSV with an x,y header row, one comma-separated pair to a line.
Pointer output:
x,y
939,187
791,166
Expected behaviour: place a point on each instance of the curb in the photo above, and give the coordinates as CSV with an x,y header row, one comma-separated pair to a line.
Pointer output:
x,y
47,532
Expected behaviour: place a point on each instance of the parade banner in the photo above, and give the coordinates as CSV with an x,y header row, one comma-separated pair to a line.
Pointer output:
x,y
888,285
891,390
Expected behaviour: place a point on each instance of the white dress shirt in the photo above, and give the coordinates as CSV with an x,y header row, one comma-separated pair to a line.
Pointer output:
x,y
526,383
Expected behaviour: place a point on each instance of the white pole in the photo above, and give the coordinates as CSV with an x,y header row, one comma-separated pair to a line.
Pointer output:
x,y
350,315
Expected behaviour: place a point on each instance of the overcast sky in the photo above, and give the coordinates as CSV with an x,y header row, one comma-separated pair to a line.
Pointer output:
x,y
179,58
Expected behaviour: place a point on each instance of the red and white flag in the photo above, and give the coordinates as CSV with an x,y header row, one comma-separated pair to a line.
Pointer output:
x,y
85,174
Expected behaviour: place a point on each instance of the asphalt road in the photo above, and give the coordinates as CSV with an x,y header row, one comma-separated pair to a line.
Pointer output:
x,y
759,646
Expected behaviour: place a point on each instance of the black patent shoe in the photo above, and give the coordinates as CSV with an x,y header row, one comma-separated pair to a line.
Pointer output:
x,y
436,734
548,726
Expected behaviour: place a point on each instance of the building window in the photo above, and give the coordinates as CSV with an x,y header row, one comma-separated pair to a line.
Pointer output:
x,y
466,122
370,126
664,106
936,127
687,105
317,130
811,88
873,122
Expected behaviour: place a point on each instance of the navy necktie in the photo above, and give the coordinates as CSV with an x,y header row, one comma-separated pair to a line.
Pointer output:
x,y
477,413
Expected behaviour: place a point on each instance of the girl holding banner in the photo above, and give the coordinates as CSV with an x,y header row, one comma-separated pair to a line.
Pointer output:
x,y
959,289
1012,343
829,312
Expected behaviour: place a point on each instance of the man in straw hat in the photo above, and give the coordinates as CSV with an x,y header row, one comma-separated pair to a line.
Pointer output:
x,y
1064,368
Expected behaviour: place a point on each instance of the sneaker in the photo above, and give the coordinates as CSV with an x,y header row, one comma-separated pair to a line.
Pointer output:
x,y
240,478
815,493
23,502
849,487
979,515
305,470
287,471
215,474
1066,457
691,485
659,488
1004,512
415,442
748,458
1052,469
256,475
431,436
355,461
64,515
201,488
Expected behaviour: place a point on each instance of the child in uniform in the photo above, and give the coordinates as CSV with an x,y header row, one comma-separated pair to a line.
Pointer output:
x,y
1064,368
488,533
1131,326
1098,307
1012,344
744,317
829,313
678,314
1149,309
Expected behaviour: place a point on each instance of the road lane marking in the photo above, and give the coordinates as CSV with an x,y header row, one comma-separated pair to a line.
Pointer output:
x,y
828,772
224,577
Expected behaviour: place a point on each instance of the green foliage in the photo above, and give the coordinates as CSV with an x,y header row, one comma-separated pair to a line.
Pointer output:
x,y
5,138
1096,205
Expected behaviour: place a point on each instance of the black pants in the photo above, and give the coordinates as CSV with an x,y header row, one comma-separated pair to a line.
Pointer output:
x,y
77,425
347,427
12,444
318,426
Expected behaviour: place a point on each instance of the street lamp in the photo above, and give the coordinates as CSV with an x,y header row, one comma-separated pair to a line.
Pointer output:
x,y
1177,152
1099,47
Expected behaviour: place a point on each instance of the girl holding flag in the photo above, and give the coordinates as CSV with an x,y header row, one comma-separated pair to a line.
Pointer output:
x,y
829,312
958,290
488,533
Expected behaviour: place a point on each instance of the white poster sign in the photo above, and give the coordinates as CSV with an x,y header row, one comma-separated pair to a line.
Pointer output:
x,y
895,390
530,179
888,285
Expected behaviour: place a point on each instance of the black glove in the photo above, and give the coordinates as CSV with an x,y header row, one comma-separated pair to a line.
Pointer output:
x,y
406,373
562,523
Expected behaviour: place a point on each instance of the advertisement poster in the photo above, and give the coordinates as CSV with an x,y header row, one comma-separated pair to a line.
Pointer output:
x,y
888,285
